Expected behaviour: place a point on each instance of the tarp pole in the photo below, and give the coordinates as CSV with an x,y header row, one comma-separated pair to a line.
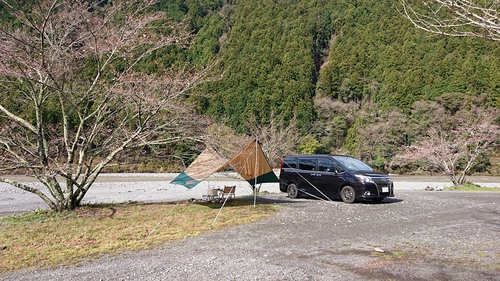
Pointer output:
x,y
220,210
154,228
255,171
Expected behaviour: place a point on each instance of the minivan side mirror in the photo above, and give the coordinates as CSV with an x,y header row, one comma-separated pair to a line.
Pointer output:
x,y
332,170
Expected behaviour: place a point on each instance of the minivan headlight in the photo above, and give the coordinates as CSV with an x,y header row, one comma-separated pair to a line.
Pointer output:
x,y
364,179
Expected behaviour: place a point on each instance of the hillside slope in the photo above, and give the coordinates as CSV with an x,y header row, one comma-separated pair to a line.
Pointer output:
x,y
278,55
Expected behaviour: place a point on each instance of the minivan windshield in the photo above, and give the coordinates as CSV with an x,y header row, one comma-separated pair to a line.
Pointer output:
x,y
353,164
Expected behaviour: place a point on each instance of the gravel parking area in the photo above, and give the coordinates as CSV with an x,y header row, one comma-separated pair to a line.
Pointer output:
x,y
143,187
417,235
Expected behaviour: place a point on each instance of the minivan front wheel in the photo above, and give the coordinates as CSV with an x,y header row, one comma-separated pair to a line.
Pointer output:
x,y
348,194
292,190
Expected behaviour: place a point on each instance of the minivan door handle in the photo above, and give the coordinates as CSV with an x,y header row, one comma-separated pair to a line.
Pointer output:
x,y
316,175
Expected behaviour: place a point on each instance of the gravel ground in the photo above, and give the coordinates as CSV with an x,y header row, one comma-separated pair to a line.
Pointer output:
x,y
417,235
117,188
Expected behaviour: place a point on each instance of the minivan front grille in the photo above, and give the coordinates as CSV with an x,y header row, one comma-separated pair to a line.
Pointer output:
x,y
384,185
382,181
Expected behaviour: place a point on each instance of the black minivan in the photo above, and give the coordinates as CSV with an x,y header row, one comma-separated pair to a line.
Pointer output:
x,y
333,176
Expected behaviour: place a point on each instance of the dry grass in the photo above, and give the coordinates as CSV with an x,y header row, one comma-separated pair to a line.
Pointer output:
x,y
45,238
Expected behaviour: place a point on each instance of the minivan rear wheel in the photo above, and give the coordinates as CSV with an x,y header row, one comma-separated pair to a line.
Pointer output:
x,y
348,194
292,190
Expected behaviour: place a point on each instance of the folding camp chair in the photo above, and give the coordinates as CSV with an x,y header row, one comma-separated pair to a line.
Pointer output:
x,y
213,195
228,192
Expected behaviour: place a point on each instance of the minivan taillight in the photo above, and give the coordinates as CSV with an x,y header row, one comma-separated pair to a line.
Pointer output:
x,y
281,165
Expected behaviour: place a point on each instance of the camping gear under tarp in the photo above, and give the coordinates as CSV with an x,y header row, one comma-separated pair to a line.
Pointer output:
x,y
207,163
252,165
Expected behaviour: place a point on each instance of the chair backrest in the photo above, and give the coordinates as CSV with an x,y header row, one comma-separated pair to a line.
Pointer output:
x,y
212,192
229,189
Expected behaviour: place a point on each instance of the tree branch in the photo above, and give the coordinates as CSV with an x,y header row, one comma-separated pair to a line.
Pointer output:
x,y
455,18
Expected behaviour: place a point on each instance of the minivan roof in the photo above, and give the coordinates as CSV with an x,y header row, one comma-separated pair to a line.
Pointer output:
x,y
314,155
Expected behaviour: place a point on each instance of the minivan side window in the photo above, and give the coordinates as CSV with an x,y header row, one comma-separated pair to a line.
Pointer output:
x,y
290,163
326,165
338,168
307,164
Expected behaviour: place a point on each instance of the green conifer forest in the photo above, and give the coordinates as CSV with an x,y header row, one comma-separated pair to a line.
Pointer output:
x,y
357,76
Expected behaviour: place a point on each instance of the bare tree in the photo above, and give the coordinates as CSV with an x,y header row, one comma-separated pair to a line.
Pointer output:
x,y
455,17
455,152
334,120
73,98
224,140
381,135
277,138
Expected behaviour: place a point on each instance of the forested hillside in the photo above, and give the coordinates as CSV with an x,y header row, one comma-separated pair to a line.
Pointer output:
x,y
356,75
278,55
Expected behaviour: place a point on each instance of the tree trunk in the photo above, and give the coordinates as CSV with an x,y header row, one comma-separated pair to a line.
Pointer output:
x,y
453,178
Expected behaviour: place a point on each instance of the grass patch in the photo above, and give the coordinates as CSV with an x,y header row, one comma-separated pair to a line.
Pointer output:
x,y
391,255
471,187
45,238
